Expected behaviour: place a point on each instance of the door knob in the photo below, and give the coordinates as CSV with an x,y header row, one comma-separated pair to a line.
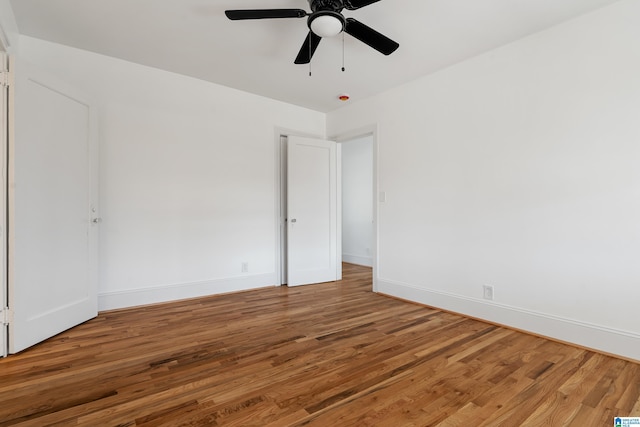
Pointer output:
x,y
293,220
96,220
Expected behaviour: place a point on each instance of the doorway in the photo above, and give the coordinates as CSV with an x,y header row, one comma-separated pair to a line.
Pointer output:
x,y
370,187
357,201
366,221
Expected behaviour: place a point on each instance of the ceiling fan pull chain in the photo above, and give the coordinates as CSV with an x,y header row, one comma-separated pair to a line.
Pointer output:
x,y
309,54
343,51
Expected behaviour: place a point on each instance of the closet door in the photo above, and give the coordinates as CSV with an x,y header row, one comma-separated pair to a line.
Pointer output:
x,y
53,212
312,211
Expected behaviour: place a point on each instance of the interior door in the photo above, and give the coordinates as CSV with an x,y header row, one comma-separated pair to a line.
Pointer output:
x,y
312,209
52,207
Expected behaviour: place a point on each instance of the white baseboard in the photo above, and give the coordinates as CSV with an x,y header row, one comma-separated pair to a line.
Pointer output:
x,y
358,260
612,341
165,293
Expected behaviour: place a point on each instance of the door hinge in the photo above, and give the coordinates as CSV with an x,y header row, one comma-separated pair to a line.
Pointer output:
x,y
6,316
4,78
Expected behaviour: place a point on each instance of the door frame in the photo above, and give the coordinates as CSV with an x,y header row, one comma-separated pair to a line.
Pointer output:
x,y
344,137
280,186
8,45
4,144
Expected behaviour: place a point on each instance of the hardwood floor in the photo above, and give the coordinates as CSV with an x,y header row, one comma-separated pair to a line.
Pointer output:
x,y
323,355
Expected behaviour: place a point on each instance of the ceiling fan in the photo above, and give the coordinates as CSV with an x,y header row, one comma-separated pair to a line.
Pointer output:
x,y
325,20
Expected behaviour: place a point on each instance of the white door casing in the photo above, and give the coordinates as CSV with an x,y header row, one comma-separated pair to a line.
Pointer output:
x,y
53,210
4,118
312,205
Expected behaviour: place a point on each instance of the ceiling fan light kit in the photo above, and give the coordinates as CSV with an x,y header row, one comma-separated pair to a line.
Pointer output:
x,y
326,23
325,20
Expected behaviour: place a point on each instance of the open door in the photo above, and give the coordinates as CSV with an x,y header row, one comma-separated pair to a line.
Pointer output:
x,y
53,211
312,210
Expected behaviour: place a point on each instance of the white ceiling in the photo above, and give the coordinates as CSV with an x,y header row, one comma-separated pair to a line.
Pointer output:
x,y
194,38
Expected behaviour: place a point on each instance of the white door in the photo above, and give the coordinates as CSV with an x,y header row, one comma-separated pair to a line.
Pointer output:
x,y
312,209
52,207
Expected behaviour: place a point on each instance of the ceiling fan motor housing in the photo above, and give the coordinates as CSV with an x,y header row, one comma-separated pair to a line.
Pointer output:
x,y
330,5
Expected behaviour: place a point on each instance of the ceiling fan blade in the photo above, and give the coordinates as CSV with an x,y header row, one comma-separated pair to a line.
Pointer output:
x,y
357,4
308,48
236,15
371,37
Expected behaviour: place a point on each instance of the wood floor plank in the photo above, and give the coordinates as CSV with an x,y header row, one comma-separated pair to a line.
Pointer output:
x,y
332,354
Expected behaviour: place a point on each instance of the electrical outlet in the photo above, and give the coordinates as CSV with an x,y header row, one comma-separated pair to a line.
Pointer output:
x,y
245,267
487,292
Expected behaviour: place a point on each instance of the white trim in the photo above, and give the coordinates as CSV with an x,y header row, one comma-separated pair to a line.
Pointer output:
x,y
281,212
366,261
339,211
4,127
277,213
609,340
173,292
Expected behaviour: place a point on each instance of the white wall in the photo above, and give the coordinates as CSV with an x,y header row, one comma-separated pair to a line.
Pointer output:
x,y
519,169
357,201
9,36
188,177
